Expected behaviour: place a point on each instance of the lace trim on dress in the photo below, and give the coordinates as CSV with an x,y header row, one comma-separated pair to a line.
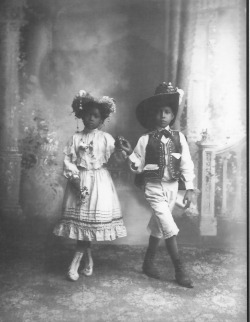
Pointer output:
x,y
72,231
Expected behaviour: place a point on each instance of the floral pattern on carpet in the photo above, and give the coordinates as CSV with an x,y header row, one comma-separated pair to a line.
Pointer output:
x,y
34,287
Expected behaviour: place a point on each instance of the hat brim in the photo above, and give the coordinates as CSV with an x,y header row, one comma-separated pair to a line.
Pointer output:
x,y
145,111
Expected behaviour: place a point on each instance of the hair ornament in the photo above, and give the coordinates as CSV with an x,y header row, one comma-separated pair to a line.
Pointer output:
x,y
109,102
82,93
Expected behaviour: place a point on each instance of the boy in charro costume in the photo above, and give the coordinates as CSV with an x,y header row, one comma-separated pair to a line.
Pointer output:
x,y
160,159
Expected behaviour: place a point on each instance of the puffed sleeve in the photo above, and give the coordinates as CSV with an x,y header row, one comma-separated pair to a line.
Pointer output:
x,y
110,145
187,165
69,163
137,158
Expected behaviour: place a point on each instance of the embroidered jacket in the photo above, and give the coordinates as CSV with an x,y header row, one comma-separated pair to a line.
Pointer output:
x,y
155,154
160,156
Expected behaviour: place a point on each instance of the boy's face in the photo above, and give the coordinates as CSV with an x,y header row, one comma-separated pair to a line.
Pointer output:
x,y
163,117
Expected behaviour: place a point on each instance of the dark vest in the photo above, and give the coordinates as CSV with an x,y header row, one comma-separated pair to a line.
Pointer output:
x,y
155,154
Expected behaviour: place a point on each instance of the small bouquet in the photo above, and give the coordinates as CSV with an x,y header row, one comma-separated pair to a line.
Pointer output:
x,y
119,141
82,191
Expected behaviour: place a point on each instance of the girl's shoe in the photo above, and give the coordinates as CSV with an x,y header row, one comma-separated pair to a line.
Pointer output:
x,y
73,268
73,276
88,269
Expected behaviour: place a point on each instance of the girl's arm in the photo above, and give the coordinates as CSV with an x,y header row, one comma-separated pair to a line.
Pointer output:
x,y
112,152
137,157
69,166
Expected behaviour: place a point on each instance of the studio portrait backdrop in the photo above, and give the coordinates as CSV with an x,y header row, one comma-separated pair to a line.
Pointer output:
x,y
51,49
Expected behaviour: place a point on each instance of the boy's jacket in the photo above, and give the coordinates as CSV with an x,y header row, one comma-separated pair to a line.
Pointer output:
x,y
155,154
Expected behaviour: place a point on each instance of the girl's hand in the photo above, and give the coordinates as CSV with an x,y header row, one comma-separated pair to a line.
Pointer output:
x,y
123,144
188,198
75,182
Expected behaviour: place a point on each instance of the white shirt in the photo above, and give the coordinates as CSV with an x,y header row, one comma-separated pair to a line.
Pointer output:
x,y
137,159
88,150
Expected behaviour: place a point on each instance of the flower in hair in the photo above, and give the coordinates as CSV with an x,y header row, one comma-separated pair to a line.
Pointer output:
x,y
82,93
110,102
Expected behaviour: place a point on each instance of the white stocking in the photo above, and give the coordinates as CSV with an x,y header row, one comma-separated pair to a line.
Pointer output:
x,y
73,268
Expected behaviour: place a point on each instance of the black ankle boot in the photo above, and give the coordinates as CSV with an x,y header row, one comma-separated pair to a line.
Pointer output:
x,y
181,275
148,266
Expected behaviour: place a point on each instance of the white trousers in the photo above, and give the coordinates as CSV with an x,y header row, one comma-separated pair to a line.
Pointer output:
x,y
161,197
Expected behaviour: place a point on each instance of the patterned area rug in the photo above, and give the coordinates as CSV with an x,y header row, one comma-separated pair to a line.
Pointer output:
x,y
34,287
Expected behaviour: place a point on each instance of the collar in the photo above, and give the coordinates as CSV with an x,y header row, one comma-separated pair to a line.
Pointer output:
x,y
86,131
166,128
162,129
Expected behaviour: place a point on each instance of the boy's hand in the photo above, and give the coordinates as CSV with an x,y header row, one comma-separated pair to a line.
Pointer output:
x,y
188,198
123,144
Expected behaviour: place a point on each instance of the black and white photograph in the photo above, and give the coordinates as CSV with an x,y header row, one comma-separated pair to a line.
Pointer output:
x,y
124,161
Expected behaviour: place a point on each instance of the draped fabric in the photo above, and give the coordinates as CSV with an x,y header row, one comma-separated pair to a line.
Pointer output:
x,y
179,38
204,55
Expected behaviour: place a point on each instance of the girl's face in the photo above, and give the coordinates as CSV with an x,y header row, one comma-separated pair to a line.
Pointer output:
x,y
92,119
163,117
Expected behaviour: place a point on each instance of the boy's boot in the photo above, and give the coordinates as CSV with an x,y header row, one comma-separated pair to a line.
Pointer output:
x,y
73,268
181,275
148,266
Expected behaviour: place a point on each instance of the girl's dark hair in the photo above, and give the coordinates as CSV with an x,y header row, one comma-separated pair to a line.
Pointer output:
x,y
101,107
83,104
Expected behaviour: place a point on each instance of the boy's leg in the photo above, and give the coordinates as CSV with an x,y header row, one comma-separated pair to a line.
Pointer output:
x,y
181,276
161,197
148,267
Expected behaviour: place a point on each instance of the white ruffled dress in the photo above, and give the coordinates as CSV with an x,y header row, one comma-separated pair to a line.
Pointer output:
x,y
99,218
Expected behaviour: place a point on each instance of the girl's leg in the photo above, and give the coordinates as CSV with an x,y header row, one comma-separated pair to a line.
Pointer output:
x,y
88,261
82,245
73,268
180,274
148,267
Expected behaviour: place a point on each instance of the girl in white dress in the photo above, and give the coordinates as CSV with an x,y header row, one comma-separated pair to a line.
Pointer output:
x,y
91,209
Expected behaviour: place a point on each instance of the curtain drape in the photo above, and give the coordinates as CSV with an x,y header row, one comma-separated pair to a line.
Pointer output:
x,y
205,49
179,39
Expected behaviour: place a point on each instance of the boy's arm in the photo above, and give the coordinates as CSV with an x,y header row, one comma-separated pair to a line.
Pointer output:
x,y
137,157
187,165
187,171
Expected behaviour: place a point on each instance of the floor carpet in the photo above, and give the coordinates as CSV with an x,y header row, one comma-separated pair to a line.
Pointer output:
x,y
34,288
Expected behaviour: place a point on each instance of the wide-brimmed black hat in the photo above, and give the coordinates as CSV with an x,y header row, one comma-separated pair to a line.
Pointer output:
x,y
165,95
